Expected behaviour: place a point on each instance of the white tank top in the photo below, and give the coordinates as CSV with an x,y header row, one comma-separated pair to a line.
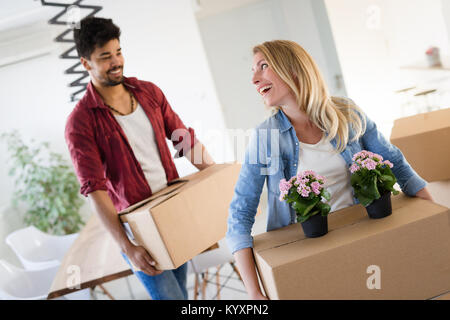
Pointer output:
x,y
140,135
322,159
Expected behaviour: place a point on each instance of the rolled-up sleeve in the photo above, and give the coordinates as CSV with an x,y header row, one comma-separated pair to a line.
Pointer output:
x,y
84,153
408,179
245,200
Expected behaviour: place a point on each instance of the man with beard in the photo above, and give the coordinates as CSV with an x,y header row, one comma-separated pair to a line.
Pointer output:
x,y
116,138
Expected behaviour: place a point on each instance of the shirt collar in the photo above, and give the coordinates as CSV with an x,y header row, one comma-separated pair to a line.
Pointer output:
x,y
283,120
94,100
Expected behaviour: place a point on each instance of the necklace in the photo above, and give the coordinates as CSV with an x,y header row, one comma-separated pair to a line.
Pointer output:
x,y
122,114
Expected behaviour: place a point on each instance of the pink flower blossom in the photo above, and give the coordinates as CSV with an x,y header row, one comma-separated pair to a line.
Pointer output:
x,y
304,192
293,181
387,162
369,164
316,186
377,157
285,185
354,167
309,174
282,195
321,178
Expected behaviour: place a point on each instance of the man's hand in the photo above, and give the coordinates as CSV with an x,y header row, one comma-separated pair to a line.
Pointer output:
x,y
142,260
199,156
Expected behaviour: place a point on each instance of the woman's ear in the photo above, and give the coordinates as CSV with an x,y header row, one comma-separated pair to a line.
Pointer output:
x,y
294,74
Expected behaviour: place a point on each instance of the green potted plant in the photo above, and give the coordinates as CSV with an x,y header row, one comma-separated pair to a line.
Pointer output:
x,y
47,185
304,192
373,181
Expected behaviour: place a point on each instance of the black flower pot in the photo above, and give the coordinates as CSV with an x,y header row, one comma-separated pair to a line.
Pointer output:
x,y
381,207
315,226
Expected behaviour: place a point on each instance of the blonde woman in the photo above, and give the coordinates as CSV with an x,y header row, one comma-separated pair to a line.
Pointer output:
x,y
310,130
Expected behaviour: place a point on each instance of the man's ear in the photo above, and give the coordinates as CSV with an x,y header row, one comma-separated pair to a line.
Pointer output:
x,y
85,63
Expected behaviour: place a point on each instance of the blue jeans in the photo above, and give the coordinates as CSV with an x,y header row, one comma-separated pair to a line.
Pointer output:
x,y
169,285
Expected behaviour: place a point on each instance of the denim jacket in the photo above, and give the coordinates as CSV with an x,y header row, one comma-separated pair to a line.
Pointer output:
x,y
272,154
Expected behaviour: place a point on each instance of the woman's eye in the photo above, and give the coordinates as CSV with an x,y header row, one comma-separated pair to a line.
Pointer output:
x,y
264,66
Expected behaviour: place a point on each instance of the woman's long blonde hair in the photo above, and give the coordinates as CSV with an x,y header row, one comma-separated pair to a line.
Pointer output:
x,y
299,71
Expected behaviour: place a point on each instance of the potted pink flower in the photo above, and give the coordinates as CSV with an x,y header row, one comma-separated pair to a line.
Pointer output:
x,y
373,182
304,192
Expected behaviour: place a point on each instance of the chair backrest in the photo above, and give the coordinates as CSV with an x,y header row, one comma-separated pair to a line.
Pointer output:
x,y
211,258
16,283
38,250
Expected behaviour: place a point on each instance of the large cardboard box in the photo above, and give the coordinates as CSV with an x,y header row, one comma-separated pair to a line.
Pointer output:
x,y
424,140
403,256
186,218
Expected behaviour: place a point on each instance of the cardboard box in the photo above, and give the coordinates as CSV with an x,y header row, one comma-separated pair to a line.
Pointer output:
x,y
424,140
185,218
407,254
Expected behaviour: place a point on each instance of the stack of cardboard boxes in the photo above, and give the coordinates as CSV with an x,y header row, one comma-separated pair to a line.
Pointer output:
x,y
403,256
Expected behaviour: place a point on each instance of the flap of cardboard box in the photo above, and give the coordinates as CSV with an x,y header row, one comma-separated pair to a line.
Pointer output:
x,y
175,187
164,194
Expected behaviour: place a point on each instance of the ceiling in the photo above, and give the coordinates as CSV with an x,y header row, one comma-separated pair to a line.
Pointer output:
x,y
206,8
16,13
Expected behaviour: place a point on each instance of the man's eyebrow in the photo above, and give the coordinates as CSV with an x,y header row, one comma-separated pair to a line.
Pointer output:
x,y
257,64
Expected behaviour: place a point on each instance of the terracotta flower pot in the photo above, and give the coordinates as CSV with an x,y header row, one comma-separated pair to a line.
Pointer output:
x,y
315,226
381,207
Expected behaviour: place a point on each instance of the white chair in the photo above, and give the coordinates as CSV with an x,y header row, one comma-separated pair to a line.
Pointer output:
x,y
200,264
38,250
20,284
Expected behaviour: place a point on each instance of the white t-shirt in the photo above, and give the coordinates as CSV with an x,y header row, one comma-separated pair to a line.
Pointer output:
x,y
140,135
322,159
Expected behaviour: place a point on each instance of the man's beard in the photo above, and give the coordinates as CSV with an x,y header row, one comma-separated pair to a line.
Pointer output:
x,y
111,82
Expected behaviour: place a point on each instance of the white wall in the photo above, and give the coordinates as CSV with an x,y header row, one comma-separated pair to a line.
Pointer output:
x,y
161,43
446,14
374,39
230,36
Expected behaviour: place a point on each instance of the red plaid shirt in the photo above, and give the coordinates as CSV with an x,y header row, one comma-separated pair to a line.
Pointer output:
x,y
100,152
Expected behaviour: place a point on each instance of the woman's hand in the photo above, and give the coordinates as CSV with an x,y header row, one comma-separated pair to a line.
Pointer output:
x,y
424,194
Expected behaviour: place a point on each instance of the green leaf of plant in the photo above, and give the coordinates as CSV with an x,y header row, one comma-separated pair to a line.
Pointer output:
x,y
47,185
326,194
324,208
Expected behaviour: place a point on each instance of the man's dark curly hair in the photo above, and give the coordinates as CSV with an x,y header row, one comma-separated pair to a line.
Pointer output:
x,y
94,32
